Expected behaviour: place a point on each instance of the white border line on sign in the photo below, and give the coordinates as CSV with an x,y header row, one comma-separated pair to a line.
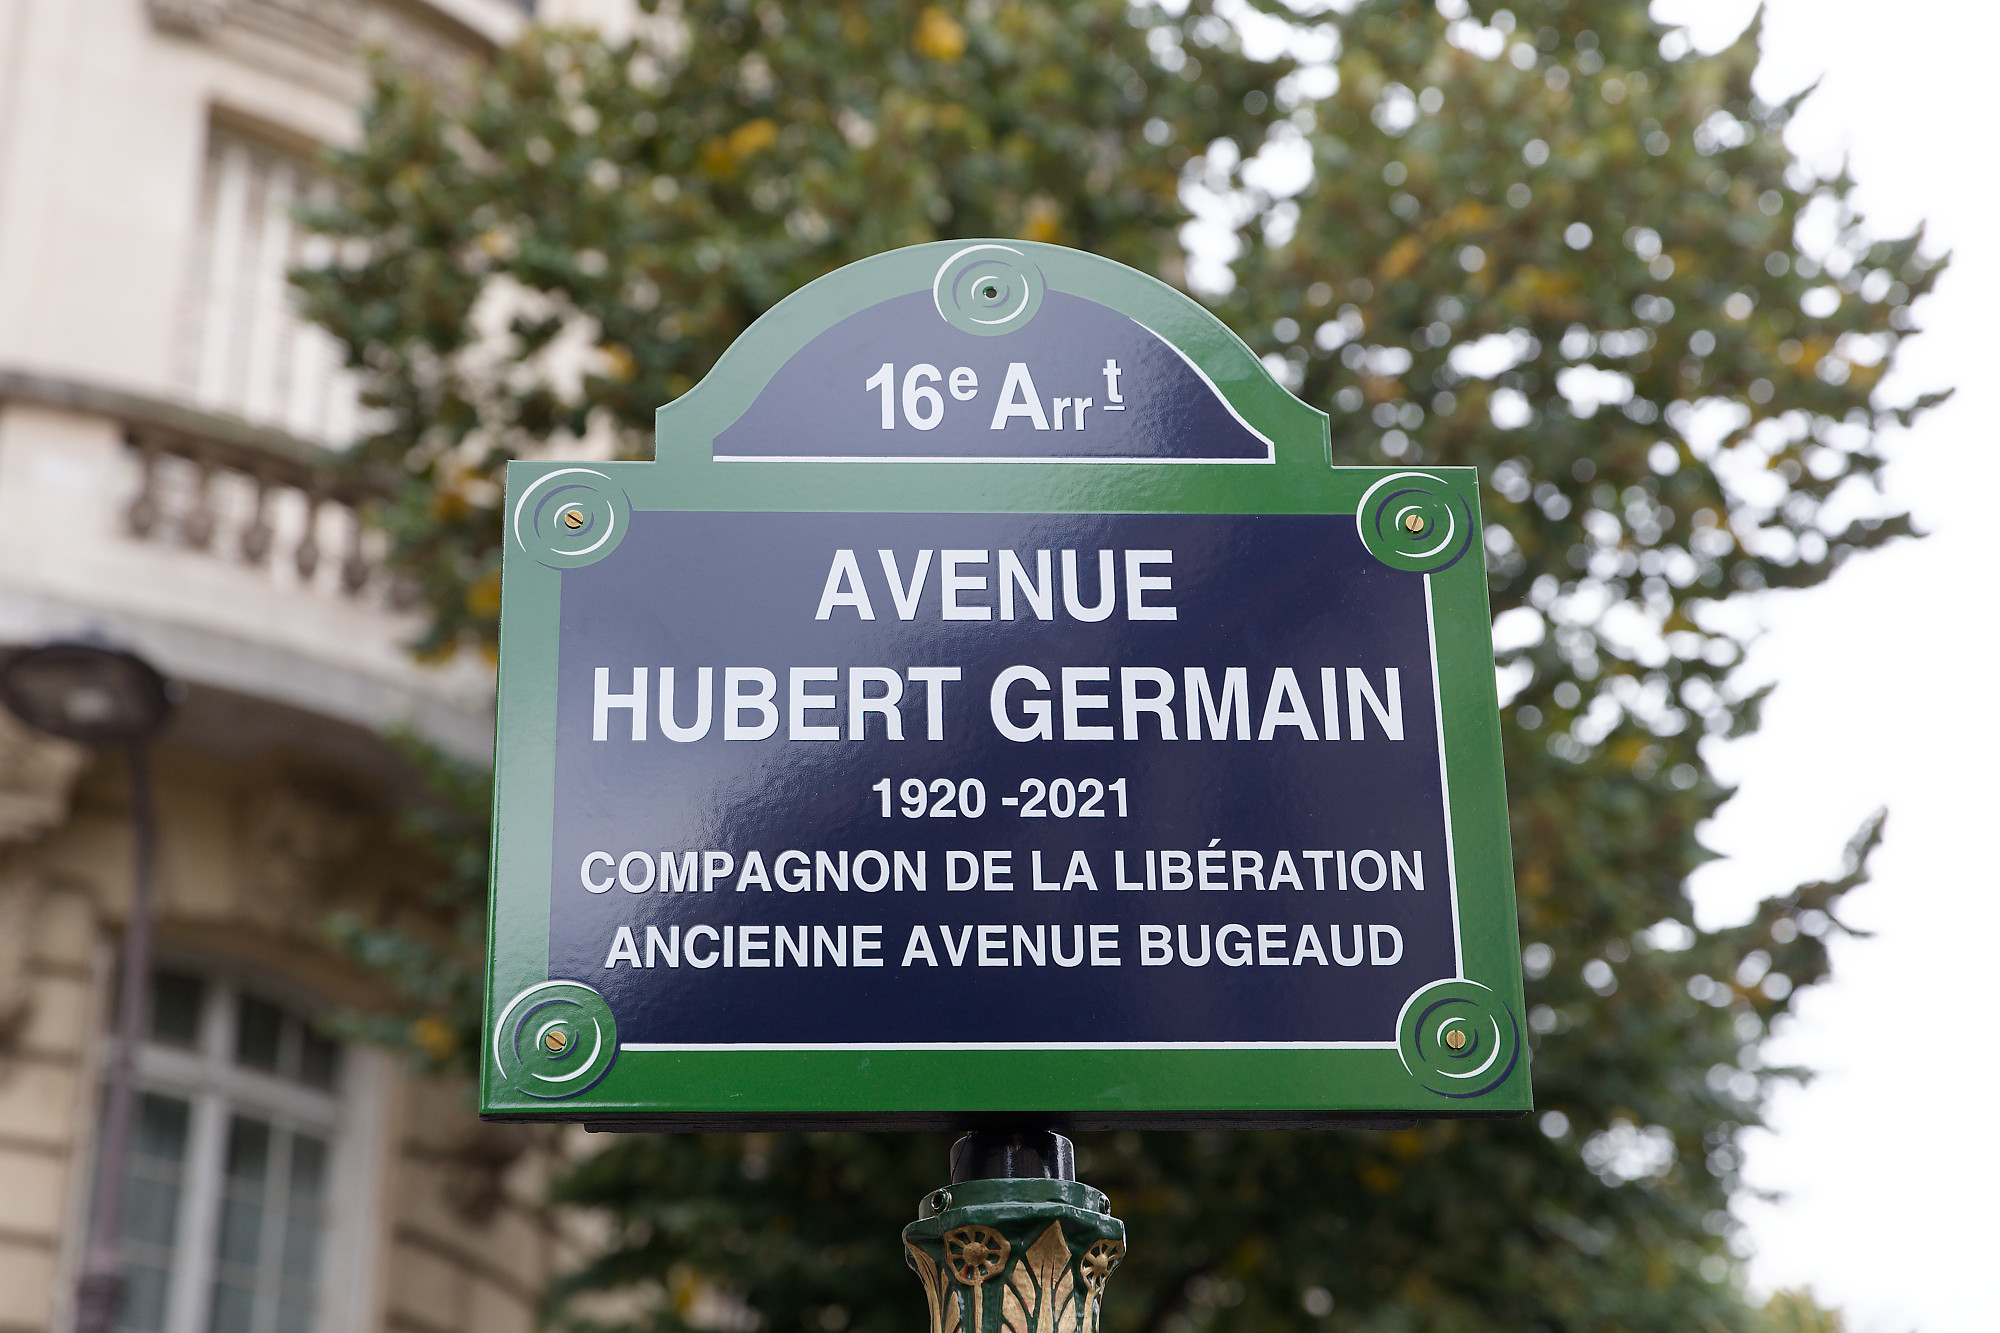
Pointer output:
x,y
1270,449
982,458
1444,782
1014,1046
1457,946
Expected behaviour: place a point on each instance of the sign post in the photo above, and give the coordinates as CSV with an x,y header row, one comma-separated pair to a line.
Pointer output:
x,y
992,709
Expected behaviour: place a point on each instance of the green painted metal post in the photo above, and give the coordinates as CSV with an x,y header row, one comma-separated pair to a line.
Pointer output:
x,y
1014,1244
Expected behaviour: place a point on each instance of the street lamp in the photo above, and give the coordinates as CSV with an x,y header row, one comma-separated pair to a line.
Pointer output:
x,y
105,697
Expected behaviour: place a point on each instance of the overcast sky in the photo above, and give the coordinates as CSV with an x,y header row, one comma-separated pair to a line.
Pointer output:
x,y
1886,697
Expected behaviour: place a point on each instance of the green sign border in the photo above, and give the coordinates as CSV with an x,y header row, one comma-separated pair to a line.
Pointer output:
x,y
862,1088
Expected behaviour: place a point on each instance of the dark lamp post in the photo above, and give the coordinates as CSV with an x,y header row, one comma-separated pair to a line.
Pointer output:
x,y
105,697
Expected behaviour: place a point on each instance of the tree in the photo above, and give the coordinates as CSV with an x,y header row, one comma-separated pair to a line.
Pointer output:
x,y
1549,241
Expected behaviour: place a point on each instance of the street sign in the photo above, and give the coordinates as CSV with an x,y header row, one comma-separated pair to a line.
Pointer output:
x,y
991,700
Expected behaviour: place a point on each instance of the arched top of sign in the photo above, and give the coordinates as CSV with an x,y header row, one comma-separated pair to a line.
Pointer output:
x,y
990,351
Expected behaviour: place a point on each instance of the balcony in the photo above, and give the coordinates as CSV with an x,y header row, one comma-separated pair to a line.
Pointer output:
x,y
232,554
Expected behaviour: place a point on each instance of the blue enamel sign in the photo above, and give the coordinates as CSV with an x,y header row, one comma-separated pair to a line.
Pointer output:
x,y
992,699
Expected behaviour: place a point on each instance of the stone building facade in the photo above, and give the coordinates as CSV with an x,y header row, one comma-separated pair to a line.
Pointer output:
x,y
164,426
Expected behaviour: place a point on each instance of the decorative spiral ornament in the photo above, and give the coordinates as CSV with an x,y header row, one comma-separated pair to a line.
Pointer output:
x,y
554,1040
1415,522
1458,1038
988,289
571,517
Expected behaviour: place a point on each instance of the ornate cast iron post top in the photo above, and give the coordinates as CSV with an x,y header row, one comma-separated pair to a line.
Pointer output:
x,y
1015,1244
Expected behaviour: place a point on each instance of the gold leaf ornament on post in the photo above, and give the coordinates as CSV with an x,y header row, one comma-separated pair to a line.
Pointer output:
x,y
935,1294
1044,1282
1017,1297
974,1254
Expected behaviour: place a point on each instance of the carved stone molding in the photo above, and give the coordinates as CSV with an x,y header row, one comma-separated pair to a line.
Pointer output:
x,y
334,31
37,774
189,18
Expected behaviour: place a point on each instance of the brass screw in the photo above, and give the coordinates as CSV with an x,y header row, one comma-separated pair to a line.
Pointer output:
x,y
1413,523
1454,1039
557,1041
573,519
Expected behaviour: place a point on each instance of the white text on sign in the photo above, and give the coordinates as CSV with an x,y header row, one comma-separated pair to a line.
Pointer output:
x,y
923,406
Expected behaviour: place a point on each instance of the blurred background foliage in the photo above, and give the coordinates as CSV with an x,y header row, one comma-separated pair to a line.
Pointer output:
x,y
1550,241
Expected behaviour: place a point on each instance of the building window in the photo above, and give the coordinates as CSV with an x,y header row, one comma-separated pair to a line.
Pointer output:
x,y
246,350
229,1177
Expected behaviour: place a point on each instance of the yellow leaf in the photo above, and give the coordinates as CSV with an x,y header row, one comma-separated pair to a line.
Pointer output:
x,y
1544,291
1043,222
939,35
1402,257
618,362
433,1036
448,502
683,1288
483,597
753,136
716,159
1468,216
